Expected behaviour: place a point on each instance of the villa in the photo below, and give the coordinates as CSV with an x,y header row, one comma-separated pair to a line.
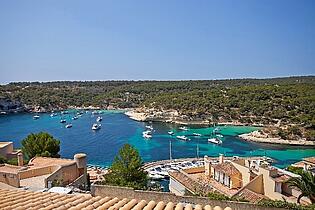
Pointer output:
x,y
45,172
307,164
252,179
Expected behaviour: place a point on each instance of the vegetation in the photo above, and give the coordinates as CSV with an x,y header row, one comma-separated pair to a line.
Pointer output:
x,y
295,170
126,169
40,144
222,197
306,184
288,101
284,204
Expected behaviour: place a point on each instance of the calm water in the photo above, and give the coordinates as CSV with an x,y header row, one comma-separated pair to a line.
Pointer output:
x,y
117,129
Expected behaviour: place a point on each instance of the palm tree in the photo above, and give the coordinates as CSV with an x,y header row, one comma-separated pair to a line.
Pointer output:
x,y
305,183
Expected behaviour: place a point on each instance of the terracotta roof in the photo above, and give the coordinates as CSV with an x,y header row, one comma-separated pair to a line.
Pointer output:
x,y
310,159
227,168
6,168
281,178
48,161
22,199
250,195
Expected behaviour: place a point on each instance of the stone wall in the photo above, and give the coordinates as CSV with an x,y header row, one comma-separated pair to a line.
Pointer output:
x,y
122,192
10,179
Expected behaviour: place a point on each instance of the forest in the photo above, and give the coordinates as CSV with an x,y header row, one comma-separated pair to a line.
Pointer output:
x,y
290,99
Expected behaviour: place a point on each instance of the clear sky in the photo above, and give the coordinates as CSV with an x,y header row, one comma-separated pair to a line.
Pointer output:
x,y
48,40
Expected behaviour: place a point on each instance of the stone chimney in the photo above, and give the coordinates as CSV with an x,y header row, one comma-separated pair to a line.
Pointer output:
x,y
221,158
20,159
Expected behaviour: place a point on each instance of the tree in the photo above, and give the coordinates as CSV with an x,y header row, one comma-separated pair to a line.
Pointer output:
x,y
40,144
306,184
126,169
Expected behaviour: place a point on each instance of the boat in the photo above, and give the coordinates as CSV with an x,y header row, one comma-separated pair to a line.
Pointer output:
x,y
149,127
156,176
74,118
147,134
99,119
219,135
196,134
183,128
53,114
64,112
182,138
69,125
215,141
36,117
170,132
96,126
216,130
63,121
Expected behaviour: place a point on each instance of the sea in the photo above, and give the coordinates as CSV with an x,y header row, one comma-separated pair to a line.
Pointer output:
x,y
117,129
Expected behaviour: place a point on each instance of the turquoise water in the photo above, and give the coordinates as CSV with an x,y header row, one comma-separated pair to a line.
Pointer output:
x,y
117,129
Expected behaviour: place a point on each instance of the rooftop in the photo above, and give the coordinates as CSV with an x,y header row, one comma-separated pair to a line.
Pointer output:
x,y
22,199
227,168
5,143
48,161
6,168
250,195
310,159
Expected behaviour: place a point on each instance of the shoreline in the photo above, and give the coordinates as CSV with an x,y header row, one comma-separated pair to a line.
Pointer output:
x,y
269,140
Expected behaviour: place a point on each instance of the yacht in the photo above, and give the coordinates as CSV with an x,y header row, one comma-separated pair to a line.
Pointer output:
x,y
183,128
64,112
182,138
53,114
196,134
96,126
147,134
215,141
36,117
170,132
75,118
69,125
149,127
63,121
99,119
219,135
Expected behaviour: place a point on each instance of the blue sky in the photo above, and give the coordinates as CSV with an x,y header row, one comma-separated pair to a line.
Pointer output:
x,y
155,40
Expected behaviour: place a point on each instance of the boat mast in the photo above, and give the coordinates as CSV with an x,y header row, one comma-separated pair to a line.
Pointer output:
x,y
170,150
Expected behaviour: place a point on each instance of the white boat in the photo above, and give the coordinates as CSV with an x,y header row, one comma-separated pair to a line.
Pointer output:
x,y
96,126
183,128
147,134
170,132
64,112
36,117
215,141
156,176
69,125
182,138
53,114
99,119
63,121
196,134
149,127
219,135
74,118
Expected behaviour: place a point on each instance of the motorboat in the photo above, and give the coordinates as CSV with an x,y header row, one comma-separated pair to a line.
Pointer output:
x,y
99,119
63,121
149,127
196,134
69,125
75,118
53,114
219,135
96,126
147,134
156,176
36,117
170,133
182,138
183,128
64,112
215,141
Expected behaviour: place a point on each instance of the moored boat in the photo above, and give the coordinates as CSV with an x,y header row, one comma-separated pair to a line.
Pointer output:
x,y
149,127
170,133
36,117
147,134
215,141
183,128
75,118
96,126
69,125
99,119
182,138
63,121
196,134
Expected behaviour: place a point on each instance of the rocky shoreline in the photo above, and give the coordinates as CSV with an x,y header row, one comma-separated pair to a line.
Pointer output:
x,y
260,139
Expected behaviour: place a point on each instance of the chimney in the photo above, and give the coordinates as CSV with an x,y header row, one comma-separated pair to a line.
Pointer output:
x,y
221,158
20,159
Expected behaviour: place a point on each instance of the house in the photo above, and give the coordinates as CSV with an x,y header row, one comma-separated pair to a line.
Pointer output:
x,y
45,172
7,150
307,164
252,179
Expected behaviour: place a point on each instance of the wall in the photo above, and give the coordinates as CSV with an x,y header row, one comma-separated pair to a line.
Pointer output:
x,y
244,171
10,179
176,187
236,181
195,170
37,172
121,192
6,149
66,174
